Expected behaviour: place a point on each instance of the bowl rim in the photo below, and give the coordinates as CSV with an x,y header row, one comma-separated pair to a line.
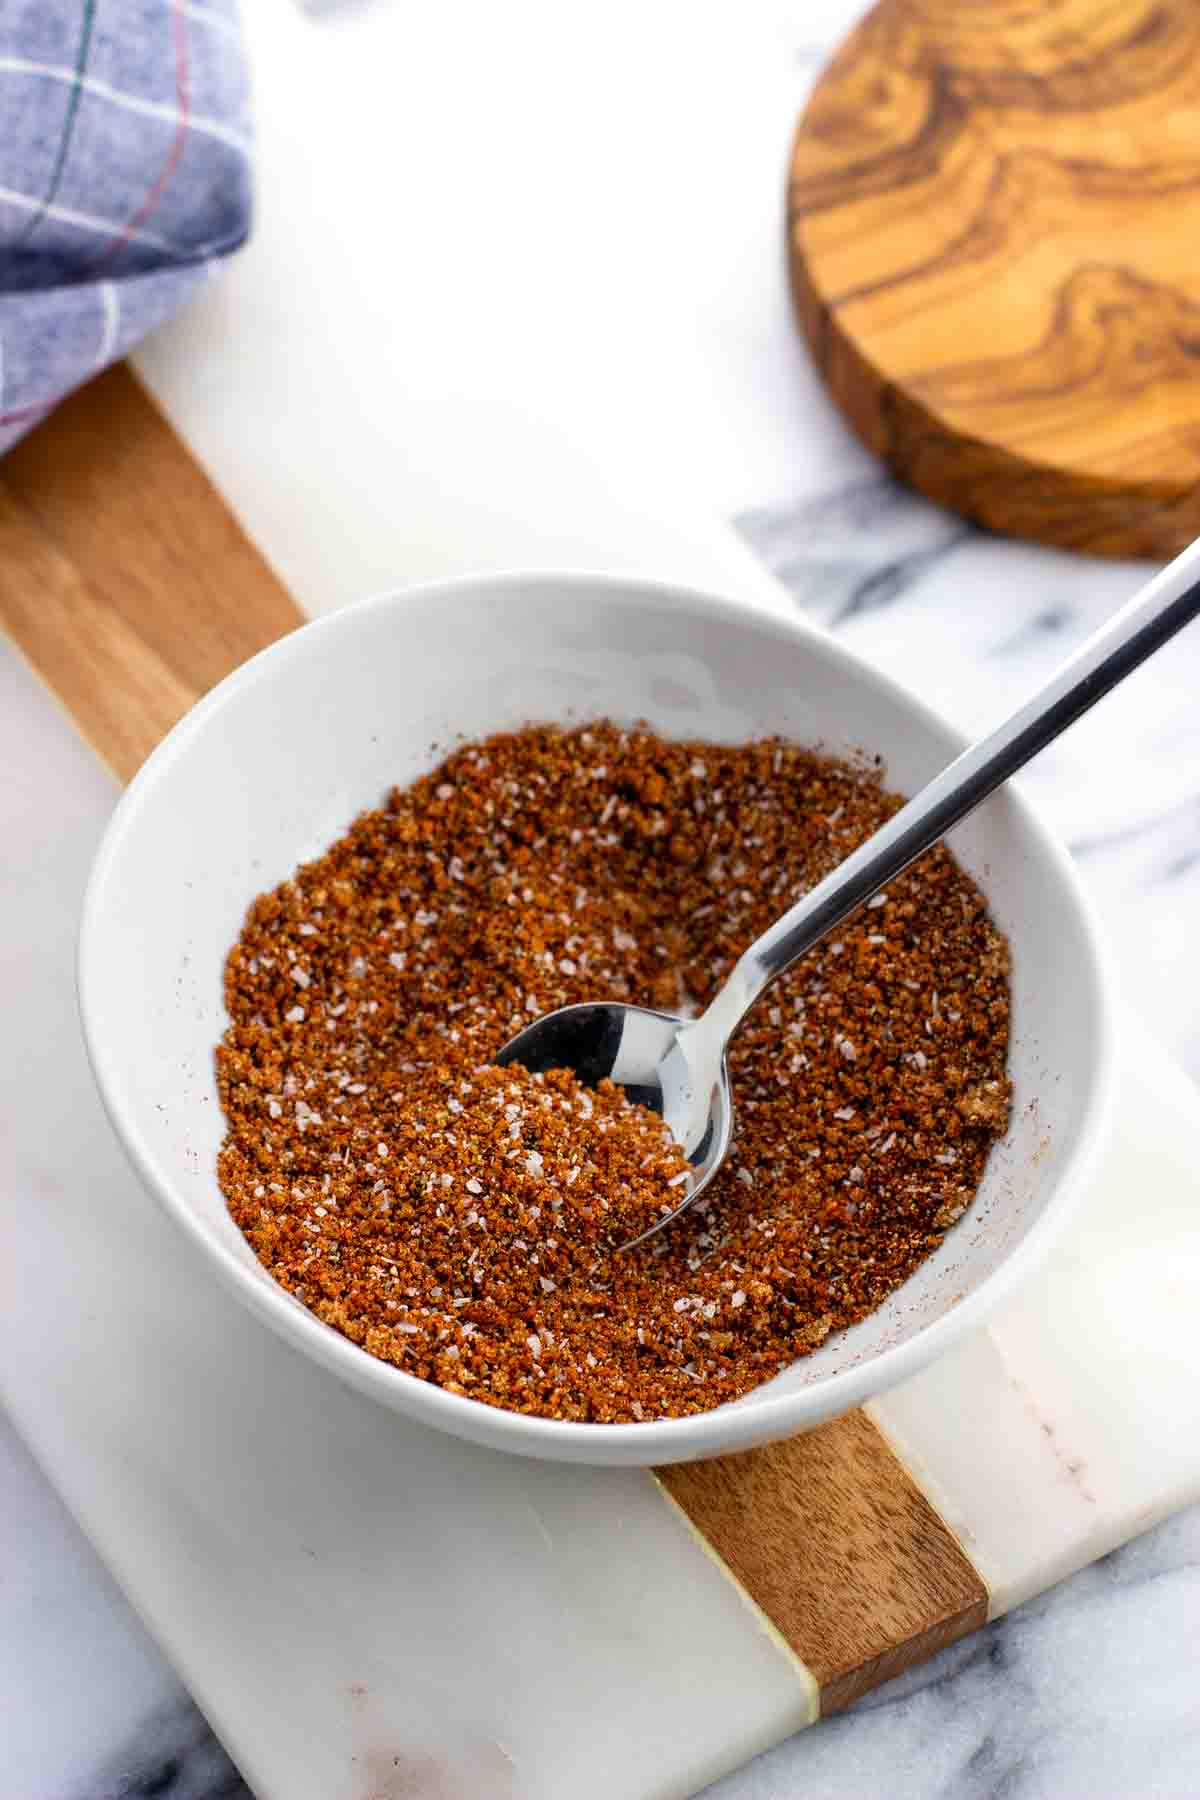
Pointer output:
x,y
721,1429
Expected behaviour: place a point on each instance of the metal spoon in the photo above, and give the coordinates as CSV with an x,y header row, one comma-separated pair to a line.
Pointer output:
x,y
678,1066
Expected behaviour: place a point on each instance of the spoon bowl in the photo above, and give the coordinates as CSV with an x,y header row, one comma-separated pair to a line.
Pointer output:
x,y
644,1052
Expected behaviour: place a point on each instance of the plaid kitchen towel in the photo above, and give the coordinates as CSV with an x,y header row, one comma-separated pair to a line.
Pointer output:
x,y
124,174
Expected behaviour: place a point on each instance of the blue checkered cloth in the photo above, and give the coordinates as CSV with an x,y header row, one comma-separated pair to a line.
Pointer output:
x,y
124,176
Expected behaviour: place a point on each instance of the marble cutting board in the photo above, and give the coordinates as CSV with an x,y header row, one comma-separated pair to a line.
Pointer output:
x,y
460,1623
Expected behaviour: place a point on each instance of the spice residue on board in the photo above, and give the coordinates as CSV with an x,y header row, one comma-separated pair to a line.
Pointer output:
x,y
463,1221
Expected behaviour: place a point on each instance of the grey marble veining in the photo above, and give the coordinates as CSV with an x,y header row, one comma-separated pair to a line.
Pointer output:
x,y
171,1755
853,550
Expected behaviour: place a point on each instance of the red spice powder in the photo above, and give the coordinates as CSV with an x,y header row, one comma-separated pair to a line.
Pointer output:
x,y
463,1222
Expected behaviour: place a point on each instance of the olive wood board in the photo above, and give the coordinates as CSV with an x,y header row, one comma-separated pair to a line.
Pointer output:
x,y
847,1554
993,217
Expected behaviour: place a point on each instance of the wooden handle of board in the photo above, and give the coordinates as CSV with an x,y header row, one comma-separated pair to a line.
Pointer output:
x,y
124,578
131,588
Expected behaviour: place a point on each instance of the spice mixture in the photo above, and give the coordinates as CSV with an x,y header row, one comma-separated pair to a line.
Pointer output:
x,y
464,1221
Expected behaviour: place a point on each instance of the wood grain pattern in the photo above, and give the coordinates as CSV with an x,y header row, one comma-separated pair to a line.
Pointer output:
x,y
993,215
123,697
124,578
839,1548
131,589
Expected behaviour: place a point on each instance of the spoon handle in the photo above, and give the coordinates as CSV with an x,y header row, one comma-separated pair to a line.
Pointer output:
x,y
1160,609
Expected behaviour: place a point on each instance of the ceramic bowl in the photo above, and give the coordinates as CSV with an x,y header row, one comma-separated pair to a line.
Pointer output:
x,y
272,766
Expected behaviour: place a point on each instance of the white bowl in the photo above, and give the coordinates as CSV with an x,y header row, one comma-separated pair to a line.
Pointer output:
x,y
272,765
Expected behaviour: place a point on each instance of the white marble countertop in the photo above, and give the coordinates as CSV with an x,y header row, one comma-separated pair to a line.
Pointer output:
x,y
1087,1690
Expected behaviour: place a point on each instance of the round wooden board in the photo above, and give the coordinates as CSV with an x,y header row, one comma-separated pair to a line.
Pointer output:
x,y
994,230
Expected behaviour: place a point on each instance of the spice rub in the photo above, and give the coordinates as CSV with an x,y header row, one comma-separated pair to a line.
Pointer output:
x,y
462,1221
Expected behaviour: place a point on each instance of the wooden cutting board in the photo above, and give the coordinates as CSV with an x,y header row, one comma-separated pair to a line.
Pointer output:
x,y
131,590
994,215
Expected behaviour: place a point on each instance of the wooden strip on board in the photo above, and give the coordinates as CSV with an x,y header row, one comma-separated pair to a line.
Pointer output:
x,y
120,694
835,1543
120,524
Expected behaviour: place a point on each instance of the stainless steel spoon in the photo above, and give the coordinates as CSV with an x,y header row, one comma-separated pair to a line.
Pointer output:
x,y
678,1066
